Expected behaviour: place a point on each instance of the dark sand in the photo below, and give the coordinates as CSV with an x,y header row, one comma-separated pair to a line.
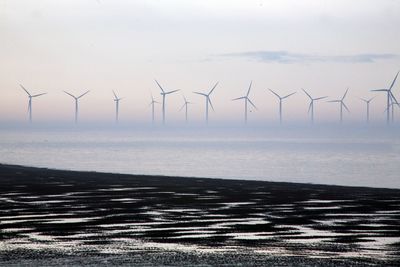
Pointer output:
x,y
51,217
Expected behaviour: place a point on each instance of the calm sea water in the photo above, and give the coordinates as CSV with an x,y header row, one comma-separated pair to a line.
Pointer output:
x,y
326,157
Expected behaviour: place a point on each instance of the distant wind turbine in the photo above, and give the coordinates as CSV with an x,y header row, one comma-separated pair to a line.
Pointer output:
x,y
76,102
280,102
391,106
246,100
367,102
342,104
185,105
311,107
390,98
208,100
164,93
152,107
30,101
116,99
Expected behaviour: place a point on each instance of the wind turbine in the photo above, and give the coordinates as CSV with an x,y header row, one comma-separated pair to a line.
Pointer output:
x,y
367,101
311,107
246,100
116,99
280,102
30,101
390,97
208,100
342,104
163,93
76,102
185,105
152,107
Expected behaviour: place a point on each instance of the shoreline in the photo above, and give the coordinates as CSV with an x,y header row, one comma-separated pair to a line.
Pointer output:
x,y
56,217
149,176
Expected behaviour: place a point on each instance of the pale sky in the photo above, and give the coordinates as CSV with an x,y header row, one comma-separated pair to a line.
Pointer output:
x,y
322,46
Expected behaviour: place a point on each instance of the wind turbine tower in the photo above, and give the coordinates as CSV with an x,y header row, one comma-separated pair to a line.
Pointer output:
x,y
367,102
246,101
311,106
280,103
164,93
152,103
116,99
76,103
342,104
390,98
208,100
185,105
30,101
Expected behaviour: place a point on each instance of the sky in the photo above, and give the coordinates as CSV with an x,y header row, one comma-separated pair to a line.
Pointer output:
x,y
104,45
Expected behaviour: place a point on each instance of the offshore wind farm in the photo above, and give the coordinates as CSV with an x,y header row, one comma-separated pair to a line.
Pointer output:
x,y
200,133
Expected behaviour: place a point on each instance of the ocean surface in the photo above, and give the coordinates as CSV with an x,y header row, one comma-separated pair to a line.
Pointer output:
x,y
355,157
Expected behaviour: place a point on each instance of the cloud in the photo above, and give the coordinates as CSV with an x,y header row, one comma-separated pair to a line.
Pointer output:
x,y
288,57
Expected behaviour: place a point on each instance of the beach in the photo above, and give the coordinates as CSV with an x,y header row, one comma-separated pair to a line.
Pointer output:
x,y
57,217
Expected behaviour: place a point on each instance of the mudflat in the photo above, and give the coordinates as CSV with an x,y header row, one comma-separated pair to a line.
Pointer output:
x,y
55,217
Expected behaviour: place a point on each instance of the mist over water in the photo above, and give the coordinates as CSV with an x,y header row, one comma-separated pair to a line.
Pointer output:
x,y
347,155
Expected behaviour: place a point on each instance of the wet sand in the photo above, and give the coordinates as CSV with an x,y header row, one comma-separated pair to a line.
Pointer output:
x,y
53,217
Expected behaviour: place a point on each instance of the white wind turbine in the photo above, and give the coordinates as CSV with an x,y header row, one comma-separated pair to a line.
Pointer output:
x,y
76,102
116,99
280,102
311,106
367,102
390,98
185,105
246,100
30,101
208,100
163,93
152,103
342,104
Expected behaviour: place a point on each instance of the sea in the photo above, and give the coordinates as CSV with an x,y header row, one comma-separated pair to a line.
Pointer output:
x,y
350,156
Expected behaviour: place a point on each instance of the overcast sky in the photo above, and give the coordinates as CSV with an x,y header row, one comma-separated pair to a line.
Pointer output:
x,y
104,45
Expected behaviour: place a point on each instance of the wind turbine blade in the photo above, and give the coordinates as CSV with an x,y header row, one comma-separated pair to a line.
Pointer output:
x,y
170,92
288,95
213,88
345,94
309,107
319,98
182,106
200,94
39,94
209,101
334,101
366,101
248,91
275,93
69,94
371,99
243,97
307,93
380,90
344,105
395,78
29,108
83,94
25,90
116,97
394,98
252,103
160,86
